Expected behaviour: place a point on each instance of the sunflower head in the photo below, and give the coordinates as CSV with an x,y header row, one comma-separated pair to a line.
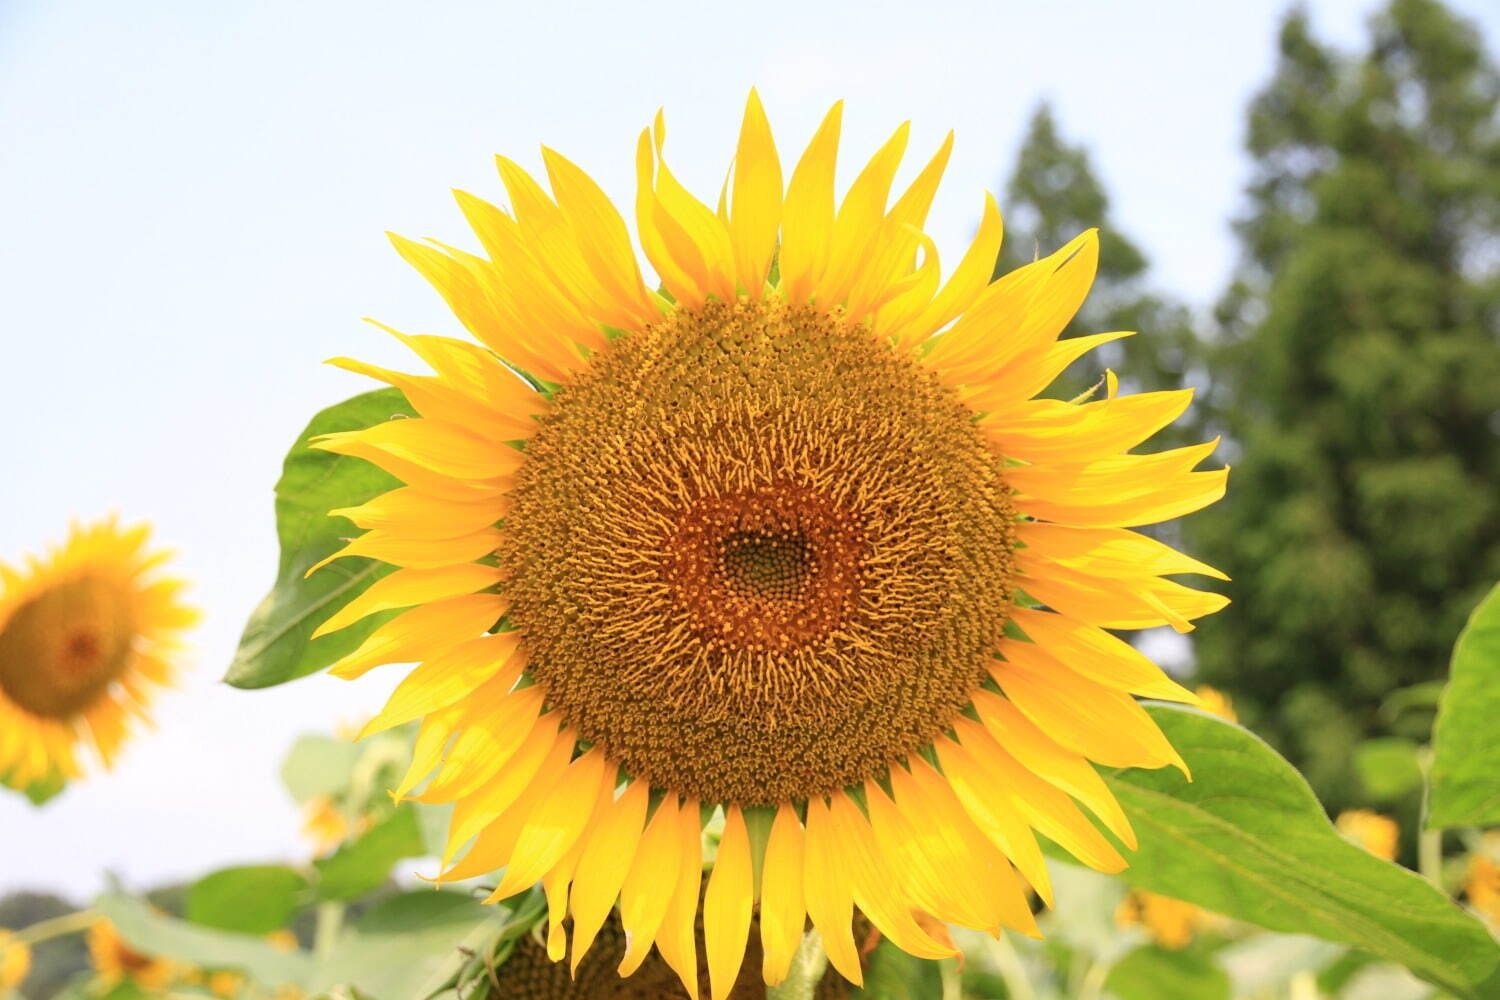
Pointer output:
x,y
87,633
1375,833
786,544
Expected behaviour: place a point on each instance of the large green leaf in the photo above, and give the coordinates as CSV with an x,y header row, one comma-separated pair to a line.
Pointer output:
x,y
253,899
365,864
405,947
1466,751
318,766
1248,839
277,645
1153,973
154,933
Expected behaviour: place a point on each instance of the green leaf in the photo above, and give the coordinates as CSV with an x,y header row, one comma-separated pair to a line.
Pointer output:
x,y
405,946
319,766
1466,754
365,864
1388,768
255,899
277,645
894,975
1152,973
1247,838
154,933
43,791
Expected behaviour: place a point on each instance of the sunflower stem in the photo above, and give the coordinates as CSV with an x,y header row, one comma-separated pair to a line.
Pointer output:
x,y
326,931
1429,840
953,984
55,927
1011,969
1092,987
808,966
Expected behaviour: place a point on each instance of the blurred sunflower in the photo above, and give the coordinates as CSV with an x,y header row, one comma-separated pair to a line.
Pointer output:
x,y
114,961
1171,923
1375,833
15,961
775,540
87,635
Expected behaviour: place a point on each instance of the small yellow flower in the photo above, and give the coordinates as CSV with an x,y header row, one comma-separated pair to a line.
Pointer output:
x,y
324,824
1216,701
1375,833
15,961
116,961
225,984
283,940
1482,887
1170,922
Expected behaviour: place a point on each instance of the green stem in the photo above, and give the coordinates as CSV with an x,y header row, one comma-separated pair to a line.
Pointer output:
x,y
1012,970
808,966
68,923
1092,987
953,984
326,931
1429,841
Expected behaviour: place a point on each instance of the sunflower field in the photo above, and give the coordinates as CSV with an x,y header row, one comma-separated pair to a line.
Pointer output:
x,y
749,589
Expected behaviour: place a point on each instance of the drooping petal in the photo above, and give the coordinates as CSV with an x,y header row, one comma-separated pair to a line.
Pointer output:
x,y
726,905
782,907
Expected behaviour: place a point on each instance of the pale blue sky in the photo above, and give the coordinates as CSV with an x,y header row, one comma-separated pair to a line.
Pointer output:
x,y
192,200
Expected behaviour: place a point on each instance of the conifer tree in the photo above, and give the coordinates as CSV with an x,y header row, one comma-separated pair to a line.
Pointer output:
x,y
1358,384
1053,195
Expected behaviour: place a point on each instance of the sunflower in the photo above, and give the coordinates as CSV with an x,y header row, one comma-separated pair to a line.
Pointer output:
x,y
87,635
15,961
115,961
788,541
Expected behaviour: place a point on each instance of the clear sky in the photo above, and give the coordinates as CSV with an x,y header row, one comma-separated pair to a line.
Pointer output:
x,y
192,201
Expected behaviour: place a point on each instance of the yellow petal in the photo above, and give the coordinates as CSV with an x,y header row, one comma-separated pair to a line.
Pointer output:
x,y
1040,754
444,679
500,830
782,910
407,587
873,886
1024,309
556,824
644,896
857,224
1004,827
423,631
438,400
685,285
432,737
829,893
1113,602
891,254
417,553
410,513
1109,551
1103,724
706,237
756,210
677,939
726,906
604,863
1031,371
498,728
807,218
446,449
556,883
602,237
1048,430
1094,653
1045,807
966,283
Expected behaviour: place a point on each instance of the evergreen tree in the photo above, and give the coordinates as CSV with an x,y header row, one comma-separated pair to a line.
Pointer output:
x,y
1051,197
1359,385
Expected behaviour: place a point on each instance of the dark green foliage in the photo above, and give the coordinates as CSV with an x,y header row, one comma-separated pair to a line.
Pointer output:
x,y
1051,197
1358,382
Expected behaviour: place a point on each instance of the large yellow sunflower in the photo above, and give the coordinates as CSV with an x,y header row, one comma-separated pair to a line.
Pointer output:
x,y
87,635
789,538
